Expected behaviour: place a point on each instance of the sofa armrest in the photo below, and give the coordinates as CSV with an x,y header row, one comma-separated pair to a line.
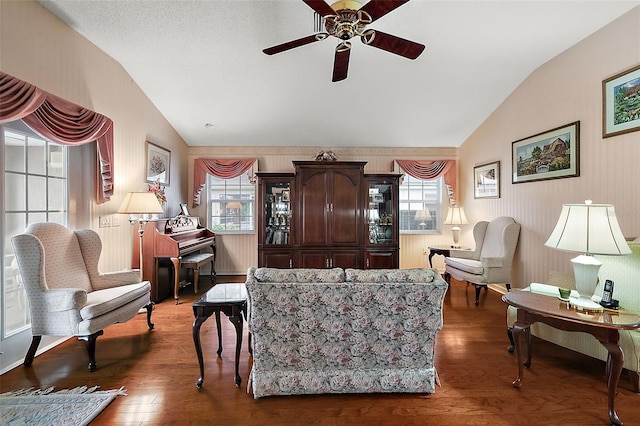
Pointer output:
x,y
64,299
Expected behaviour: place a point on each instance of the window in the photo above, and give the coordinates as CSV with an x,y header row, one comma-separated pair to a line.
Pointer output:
x,y
421,205
231,204
35,190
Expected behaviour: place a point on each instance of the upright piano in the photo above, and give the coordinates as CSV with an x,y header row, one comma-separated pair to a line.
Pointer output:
x,y
170,239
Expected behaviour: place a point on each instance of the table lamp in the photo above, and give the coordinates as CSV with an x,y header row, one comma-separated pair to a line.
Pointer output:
x,y
588,229
423,216
455,217
140,204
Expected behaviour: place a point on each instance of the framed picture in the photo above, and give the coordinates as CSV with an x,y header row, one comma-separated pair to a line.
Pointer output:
x,y
621,103
184,209
158,164
486,180
553,154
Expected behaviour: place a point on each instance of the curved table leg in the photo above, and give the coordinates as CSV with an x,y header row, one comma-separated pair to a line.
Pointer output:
x,y
518,329
237,322
615,360
219,328
176,278
196,341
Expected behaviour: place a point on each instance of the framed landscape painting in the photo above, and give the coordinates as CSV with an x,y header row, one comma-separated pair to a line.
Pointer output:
x,y
486,180
553,154
158,164
621,103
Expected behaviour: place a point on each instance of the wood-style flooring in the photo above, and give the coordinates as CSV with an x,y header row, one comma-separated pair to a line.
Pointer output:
x,y
159,369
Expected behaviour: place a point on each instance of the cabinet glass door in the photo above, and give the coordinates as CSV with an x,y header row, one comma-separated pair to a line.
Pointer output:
x,y
277,220
380,214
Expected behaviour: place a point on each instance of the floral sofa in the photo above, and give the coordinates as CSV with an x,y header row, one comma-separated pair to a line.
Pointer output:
x,y
343,331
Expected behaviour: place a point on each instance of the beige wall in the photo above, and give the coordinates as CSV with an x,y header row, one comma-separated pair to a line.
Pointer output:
x,y
566,89
37,47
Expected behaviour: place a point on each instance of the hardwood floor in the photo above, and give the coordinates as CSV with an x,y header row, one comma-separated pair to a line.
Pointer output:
x,y
159,369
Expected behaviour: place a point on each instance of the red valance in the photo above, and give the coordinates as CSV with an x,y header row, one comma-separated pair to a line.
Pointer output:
x,y
222,168
429,170
60,121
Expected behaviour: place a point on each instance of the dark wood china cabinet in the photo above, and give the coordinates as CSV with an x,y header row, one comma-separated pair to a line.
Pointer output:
x,y
328,214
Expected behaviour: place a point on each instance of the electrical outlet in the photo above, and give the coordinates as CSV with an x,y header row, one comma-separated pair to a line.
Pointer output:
x,y
105,222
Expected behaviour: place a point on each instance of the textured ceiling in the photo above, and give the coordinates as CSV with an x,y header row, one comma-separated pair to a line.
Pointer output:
x,y
201,62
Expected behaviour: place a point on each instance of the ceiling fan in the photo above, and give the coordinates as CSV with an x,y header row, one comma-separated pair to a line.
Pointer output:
x,y
346,19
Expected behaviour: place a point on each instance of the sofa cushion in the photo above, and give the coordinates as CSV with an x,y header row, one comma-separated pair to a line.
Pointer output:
x,y
275,275
417,275
100,302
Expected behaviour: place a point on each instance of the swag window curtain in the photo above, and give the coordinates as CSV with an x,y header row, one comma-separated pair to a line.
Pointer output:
x,y
60,121
430,170
222,168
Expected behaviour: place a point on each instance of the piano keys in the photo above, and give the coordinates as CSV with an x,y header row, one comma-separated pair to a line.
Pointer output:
x,y
170,239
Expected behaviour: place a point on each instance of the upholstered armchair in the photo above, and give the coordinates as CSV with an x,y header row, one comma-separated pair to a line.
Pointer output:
x,y
67,294
490,262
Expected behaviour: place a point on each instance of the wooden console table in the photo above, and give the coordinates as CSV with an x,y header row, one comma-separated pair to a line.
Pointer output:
x,y
604,326
442,251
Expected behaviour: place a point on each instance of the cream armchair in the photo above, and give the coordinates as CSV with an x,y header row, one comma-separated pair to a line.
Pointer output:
x,y
67,294
490,262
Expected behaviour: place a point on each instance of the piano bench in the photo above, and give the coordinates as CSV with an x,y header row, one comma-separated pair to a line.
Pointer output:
x,y
195,261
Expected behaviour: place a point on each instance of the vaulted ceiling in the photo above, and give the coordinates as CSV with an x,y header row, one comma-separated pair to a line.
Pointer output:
x,y
201,63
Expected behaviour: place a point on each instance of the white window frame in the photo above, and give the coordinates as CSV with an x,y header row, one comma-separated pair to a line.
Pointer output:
x,y
414,197
222,212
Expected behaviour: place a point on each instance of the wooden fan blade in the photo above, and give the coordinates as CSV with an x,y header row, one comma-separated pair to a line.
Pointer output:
x,y
320,6
393,44
379,8
295,43
341,61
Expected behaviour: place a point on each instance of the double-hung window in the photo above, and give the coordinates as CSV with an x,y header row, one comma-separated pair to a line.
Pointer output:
x,y
35,190
231,204
421,205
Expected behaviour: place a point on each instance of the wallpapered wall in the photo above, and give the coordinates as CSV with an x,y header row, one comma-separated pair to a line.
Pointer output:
x,y
566,89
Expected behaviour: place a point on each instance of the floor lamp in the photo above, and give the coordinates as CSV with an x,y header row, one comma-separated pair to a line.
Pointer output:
x,y
140,204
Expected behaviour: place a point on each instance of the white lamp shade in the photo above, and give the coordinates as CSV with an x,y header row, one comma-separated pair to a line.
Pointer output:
x,y
455,216
423,215
140,203
589,229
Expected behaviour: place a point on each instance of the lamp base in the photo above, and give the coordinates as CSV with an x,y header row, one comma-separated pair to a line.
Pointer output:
x,y
455,232
585,272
